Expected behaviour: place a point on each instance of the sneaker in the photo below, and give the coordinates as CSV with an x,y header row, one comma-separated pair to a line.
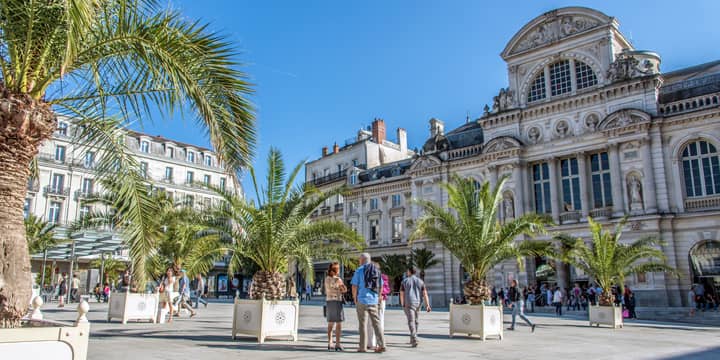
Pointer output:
x,y
532,329
413,343
511,328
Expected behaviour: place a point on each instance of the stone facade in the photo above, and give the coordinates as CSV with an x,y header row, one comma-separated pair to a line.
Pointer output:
x,y
588,126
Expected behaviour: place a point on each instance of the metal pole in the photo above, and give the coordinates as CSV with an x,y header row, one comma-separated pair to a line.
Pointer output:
x,y
102,269
42,279
72,264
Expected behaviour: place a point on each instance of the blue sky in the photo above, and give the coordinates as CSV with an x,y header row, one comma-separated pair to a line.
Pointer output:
x,y
323,69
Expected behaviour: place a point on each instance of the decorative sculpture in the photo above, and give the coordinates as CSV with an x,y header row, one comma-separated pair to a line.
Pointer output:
x,y
635,190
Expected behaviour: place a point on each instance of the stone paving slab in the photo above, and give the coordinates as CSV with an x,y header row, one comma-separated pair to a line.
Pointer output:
x,y
207,336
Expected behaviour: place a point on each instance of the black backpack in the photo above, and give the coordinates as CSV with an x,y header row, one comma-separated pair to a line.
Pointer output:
x,y
371,276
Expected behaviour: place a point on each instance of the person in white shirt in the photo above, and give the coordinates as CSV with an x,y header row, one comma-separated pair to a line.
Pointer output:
x,y
558,301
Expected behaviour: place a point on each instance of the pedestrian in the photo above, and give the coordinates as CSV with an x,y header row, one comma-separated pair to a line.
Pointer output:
x,y
630,304
97,291
494,296
366,288
412,293
583,302
200,291
166,291
62,290
308,292
557,300
530,299
501,296
334,290
75,289
517,305
549,296
106,292
184,290
691,300
385,292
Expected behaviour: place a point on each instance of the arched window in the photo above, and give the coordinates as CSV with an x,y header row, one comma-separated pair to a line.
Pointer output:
x,y
560,78
701,169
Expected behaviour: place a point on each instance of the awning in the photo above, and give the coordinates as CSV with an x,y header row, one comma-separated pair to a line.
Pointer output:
x,y
87,245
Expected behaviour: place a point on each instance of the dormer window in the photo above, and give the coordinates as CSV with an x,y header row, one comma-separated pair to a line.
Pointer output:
x,y
562,77
145,146
62,128
208,160
190,156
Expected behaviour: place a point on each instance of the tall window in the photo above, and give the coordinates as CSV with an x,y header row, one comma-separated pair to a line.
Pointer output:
x,y
701,169
168,173
541,187
600,176
189,177
206,180
26,208
171,152
189,200
58,182
353,207
396,200
87,186
570,184
397,227
54,212
84,211
208,160
144,169
89,160
374,230
62,128
60,153
340,199
145,146
222,184
190,156
557,79
353,178
373,204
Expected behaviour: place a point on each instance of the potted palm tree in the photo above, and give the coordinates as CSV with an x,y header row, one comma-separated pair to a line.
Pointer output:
x,y
471,231
273,233
41,237
105,65
609,261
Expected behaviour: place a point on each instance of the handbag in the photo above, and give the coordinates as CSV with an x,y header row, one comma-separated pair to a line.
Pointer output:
x,y
626,313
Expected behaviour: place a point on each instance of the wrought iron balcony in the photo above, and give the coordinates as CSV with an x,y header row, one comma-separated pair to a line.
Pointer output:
x,y
338,207
56,191
82,195
33,186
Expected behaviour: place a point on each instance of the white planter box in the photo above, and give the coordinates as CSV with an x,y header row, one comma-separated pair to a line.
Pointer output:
x,y
131,306
479,320
263,318
605,315
47,339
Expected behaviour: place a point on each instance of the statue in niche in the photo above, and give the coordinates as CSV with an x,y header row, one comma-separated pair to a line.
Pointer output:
x,y
591,121
534,134
508,206
562,128
635,193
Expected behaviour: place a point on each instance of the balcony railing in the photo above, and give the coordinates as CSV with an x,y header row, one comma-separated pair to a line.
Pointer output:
x,y
329,178
56,191
33,187
338,207
601,213
570,217
325,210
50,157
704,203
81,195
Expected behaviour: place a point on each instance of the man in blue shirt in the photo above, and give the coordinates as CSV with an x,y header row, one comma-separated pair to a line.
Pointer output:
x,y
366,303
184,290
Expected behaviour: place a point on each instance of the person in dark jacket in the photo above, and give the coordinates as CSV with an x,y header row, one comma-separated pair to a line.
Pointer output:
x,y
517,303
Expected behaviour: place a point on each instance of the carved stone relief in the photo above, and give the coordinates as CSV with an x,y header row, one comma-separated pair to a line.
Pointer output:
x,y
504,100
508,205
553,30
629,65
591,122
562,128
635,195
534,135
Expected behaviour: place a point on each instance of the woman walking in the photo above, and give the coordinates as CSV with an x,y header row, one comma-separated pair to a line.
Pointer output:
x,y
334,290
62,291
166,291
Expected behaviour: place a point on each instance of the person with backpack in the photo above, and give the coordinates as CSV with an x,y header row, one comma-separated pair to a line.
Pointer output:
x,y
384,293
366,289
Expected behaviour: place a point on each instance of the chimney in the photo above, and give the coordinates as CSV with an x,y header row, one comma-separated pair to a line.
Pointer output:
x,y
437,127
402,139
325,151
378,130
336,148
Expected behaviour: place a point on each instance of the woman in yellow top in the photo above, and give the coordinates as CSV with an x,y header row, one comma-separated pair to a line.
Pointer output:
x,y
334,290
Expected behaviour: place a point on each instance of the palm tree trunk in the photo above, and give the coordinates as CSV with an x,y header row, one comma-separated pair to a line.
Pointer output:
x,y
24,124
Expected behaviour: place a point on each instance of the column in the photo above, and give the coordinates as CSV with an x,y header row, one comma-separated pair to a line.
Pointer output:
x,y
616,180
648,184
527,188
518,179
584,189
492,175
554,196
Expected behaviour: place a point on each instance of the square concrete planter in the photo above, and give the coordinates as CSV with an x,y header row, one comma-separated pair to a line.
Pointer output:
x,y
131,306
481,320
47,339
606,315
263,318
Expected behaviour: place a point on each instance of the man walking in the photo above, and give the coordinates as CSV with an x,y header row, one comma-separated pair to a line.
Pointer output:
x,y
517,304
75,289
200,291
410,291
184,290
366,285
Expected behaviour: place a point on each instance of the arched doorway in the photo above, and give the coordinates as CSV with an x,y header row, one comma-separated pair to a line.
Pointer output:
x,y
705,265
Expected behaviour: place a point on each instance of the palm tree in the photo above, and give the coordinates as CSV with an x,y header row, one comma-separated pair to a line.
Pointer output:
x,y
276,231
471,231
105,63
40,237
609,261
394,266
423,259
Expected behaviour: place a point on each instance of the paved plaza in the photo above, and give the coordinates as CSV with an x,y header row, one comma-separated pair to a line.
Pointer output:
x,y
207,336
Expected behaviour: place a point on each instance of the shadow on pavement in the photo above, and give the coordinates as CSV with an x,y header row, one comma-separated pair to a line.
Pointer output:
x,y
710,354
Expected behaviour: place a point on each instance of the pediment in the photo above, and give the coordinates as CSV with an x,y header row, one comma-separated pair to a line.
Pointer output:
x,y
624,118
502,143
424,162
553,26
